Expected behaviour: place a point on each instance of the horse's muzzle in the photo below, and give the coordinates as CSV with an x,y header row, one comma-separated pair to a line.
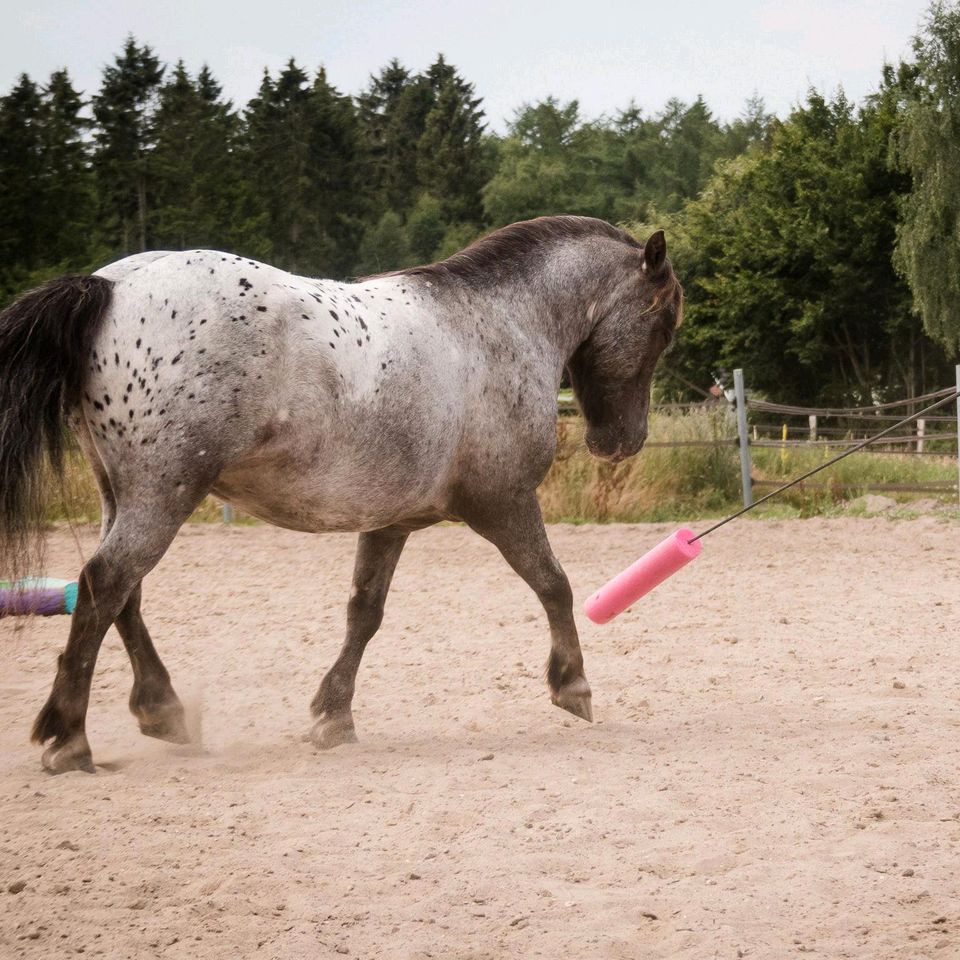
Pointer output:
x,y
615,452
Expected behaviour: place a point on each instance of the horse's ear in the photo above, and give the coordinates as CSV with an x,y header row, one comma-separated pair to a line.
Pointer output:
x,y
654,254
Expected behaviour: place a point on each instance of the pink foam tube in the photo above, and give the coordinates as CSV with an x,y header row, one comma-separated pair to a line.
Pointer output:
x,y
664,560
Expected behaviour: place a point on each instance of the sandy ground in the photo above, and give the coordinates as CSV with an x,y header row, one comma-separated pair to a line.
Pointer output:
x,y
773,771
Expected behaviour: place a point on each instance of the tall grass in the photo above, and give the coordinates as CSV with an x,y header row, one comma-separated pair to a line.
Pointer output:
x,y
663,483
76,499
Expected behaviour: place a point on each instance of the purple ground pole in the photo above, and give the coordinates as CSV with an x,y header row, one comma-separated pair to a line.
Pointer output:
x,y
45,601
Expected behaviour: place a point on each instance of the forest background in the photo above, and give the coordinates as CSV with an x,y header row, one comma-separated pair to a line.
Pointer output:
x,y
820,250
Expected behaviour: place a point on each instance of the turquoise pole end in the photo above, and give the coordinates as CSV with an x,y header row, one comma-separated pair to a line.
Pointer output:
x,y
70,597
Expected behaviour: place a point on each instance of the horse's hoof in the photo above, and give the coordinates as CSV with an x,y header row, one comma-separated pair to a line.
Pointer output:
x,y
332,731
72,755
167,722
170,732
575,697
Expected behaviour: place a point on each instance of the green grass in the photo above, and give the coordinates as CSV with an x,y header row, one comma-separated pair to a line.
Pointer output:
x,y
849,478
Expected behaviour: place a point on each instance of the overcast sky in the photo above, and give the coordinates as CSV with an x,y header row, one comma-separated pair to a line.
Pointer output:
x,y
602,52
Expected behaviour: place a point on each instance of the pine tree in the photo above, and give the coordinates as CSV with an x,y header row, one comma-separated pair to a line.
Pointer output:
x,y
65,202
753,126
278,157
379,107
450,156
682,153
381,96
179,215
21,146
335,188
124,139
406,122
533,175
423,133
200,198
393,113
553,162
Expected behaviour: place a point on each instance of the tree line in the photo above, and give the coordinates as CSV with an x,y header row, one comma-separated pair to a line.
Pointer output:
x,y
821,251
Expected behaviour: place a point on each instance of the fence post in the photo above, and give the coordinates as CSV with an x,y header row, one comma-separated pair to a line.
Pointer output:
x,y
228,513
744,438
958,433
813,426
921,432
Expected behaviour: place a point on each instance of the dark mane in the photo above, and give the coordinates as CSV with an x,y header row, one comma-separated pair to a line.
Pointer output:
x,y
509,249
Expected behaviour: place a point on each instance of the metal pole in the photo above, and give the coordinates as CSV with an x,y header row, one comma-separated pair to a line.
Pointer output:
x,y
745,481
958,433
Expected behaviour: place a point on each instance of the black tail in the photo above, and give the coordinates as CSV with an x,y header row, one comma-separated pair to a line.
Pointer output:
x,y
45,343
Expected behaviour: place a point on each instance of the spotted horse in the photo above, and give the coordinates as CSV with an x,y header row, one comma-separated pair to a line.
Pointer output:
x,y
380,406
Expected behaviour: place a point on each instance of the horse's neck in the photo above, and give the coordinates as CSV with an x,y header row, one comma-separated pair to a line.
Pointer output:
x,y
560,306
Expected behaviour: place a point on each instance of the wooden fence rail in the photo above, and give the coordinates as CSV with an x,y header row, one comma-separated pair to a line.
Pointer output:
x,y
919,440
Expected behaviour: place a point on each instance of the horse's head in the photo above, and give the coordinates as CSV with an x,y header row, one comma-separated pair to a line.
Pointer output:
x,y
633,322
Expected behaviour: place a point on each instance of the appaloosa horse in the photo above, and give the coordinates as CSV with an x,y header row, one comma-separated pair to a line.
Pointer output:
x,y
381,406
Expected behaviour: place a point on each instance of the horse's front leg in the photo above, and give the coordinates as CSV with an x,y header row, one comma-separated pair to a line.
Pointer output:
x,y
516,529
377,556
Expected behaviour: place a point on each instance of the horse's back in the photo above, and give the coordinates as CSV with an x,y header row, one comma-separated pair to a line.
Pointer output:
x,y
313,404
121,269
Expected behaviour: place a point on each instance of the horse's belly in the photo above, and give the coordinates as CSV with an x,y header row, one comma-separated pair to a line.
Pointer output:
x,y
346,491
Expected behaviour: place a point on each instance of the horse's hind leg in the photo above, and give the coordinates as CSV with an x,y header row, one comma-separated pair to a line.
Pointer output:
x,y
152,700
137,540
517,530
377,556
